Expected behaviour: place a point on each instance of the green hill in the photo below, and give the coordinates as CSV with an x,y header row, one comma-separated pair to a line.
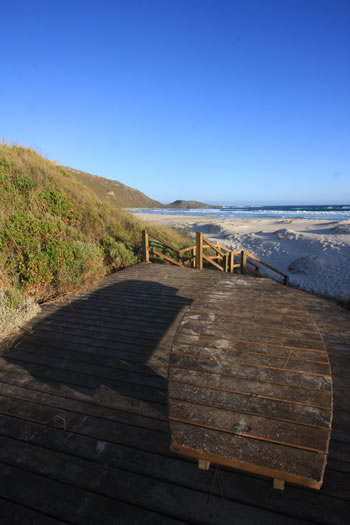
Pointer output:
x,y
114,191
56,235
123,196
189,204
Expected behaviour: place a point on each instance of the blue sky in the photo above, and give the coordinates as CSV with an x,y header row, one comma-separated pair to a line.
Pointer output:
x,y
241,101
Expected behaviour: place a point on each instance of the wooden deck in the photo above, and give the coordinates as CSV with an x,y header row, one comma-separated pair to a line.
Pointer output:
x,y
83,415
250,385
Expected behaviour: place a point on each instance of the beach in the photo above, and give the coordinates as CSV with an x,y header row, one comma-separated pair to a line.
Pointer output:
x,y
315,254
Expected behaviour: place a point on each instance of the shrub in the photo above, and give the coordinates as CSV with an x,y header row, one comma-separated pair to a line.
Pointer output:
x,y
87,261
117,254
58,204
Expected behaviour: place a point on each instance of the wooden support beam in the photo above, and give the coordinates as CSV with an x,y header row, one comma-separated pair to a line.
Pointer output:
x,y
225,261
203,464
199,250
209,260
231,262
194,258
278,484
243,261
145,245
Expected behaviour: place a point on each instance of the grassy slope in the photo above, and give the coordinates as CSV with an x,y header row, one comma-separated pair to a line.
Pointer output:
x,y
56,235
123,196
115,192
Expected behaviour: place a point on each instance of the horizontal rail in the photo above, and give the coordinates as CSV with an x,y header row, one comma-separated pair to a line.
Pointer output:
x,y
166,257
164,242
265,264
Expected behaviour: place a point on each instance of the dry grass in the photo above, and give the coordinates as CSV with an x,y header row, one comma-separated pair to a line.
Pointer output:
x,y
56,235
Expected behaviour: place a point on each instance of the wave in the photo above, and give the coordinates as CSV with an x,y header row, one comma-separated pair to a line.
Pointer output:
x,y
334,212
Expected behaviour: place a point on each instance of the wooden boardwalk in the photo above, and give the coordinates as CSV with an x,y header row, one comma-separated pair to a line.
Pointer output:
x,y
83,415
250,384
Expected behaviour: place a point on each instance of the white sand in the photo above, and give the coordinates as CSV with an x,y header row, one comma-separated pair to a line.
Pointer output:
x,y
314,253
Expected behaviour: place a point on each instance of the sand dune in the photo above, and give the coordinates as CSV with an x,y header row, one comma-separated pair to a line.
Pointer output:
x,y
314,253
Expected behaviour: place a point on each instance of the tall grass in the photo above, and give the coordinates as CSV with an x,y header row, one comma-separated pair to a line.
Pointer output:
x,y
56,235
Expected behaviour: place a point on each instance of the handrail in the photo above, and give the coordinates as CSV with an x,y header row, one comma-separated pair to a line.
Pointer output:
x,y
166,257
150,250
212,246
285,277
224,255
164,242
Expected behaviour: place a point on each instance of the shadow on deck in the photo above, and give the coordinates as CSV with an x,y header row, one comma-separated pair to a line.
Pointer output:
x,y
83,416
103,347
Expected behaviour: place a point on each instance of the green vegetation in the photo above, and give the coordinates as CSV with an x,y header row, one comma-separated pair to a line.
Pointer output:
x,y
56,235
189,204
113,191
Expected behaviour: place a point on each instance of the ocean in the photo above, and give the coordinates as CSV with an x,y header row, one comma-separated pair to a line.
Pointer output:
x,y
325,212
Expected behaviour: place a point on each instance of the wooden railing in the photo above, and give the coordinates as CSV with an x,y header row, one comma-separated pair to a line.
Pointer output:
x,y
150,250
225,260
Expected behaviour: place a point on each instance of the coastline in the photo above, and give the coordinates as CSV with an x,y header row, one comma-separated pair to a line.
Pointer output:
x,y
314,253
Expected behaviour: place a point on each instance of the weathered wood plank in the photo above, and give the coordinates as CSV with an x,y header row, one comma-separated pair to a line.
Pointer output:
x,y
257,427
298,379
114,318
238,487
252,347
250,404
249,358
246,316
140,374
66,501
241,332
58,376
131,497
259,457
252,387
13,513
87,403
220,423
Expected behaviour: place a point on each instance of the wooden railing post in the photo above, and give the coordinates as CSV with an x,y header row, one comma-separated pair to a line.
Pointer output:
x,y
286,280
243,261
226,262
199,250
145,245
231,262
194,258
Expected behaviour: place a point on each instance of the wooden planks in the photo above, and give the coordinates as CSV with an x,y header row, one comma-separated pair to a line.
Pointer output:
x,y
83,408
251,388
